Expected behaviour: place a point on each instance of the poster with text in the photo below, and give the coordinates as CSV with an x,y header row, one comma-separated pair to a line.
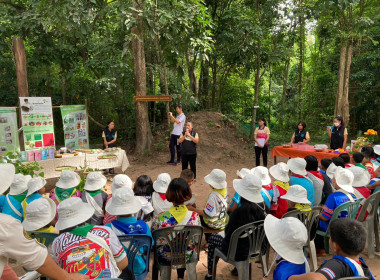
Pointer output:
x,y
8,131
75,126
37,122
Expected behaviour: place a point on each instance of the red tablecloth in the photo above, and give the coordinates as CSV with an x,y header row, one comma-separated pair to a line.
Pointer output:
x,y
293,153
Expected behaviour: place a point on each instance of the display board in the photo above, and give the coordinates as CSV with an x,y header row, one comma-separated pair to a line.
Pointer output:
x,y
37,122
8,131
75,126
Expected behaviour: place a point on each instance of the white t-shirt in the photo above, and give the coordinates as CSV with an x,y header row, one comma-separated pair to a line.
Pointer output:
x,y
77,254
213,206
14,245
178,127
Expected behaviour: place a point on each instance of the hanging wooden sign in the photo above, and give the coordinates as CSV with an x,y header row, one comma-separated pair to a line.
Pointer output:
x,y
152,98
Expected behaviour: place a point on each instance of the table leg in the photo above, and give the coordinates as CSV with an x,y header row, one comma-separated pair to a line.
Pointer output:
x,y
275,160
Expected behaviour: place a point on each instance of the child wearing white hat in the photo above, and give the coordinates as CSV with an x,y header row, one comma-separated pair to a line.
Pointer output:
x,y
82,245
287,237
374,184
118,182
10,203
235,200
252,209
39,216
36,188
159,201
296,198
280,173
143,188
94,195
361,180
347,240
124,206
342,182
65,188
297,167
214,215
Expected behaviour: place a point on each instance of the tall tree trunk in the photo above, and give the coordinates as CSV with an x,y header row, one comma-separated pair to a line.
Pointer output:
x,y
340,90
269,91
22,78
214,75
144,136
347,71
300,65
257,89
63,89
192,74
204,81
284,87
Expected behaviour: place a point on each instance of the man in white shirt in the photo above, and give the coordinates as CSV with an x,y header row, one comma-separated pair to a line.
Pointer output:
x,y
179,123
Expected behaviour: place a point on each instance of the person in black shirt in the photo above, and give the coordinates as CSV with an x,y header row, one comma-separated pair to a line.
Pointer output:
x,y
348,238
109,136
338,134
252,209
300,135
189,141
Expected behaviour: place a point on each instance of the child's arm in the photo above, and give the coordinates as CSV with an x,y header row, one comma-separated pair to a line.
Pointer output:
x,y
233,207
321,217
308,276
200,212
374,185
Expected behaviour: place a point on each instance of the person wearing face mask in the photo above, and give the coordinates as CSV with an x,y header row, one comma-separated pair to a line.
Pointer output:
x,y
338,134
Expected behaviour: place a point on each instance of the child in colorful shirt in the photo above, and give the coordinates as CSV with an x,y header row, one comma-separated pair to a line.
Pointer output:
x,y
280,187
348,239
214,215
159,200
178,192
65,188
374,184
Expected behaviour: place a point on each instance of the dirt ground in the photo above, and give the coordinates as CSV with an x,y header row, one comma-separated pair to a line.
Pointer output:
x,y
219,147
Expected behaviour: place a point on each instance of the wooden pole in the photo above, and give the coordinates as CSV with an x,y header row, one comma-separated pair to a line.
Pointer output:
x,y
22,79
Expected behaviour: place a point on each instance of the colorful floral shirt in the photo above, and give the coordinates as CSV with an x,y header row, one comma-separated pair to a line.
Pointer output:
x,y
166,219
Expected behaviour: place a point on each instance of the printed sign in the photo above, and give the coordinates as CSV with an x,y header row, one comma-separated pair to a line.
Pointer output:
x,y
37,122
8,131
75,126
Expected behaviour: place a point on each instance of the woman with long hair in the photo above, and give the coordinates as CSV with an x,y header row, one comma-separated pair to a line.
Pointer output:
x,y
109,136
261,136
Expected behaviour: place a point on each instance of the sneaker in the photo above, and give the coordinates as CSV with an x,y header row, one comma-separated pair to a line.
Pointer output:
x,y
170,163
178,162
234,272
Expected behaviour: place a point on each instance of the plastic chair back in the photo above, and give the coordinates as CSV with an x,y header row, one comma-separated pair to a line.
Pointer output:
x,y
351,207
371,202
133,243
309,218
177,238
255,234
45,238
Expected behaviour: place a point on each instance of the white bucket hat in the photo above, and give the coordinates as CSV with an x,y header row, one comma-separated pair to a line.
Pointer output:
x,y
287,237
280,172
68,179
39,213
376,149
7,172
73,211
95,181
297,166
121,181
344,179
249,188
297,194
162,183
123,202
262,173
217,179
19,184
243,172
330,171
35,184
361,176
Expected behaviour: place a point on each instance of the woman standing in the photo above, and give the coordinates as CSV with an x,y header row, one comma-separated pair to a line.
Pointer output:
x,y
262,135
300,135
109,137
338,135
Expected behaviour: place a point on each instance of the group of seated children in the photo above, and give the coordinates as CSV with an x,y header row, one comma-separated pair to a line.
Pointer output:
x,y
90,221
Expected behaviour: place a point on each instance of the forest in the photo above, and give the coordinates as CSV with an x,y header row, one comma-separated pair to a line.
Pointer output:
x,y
284,60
